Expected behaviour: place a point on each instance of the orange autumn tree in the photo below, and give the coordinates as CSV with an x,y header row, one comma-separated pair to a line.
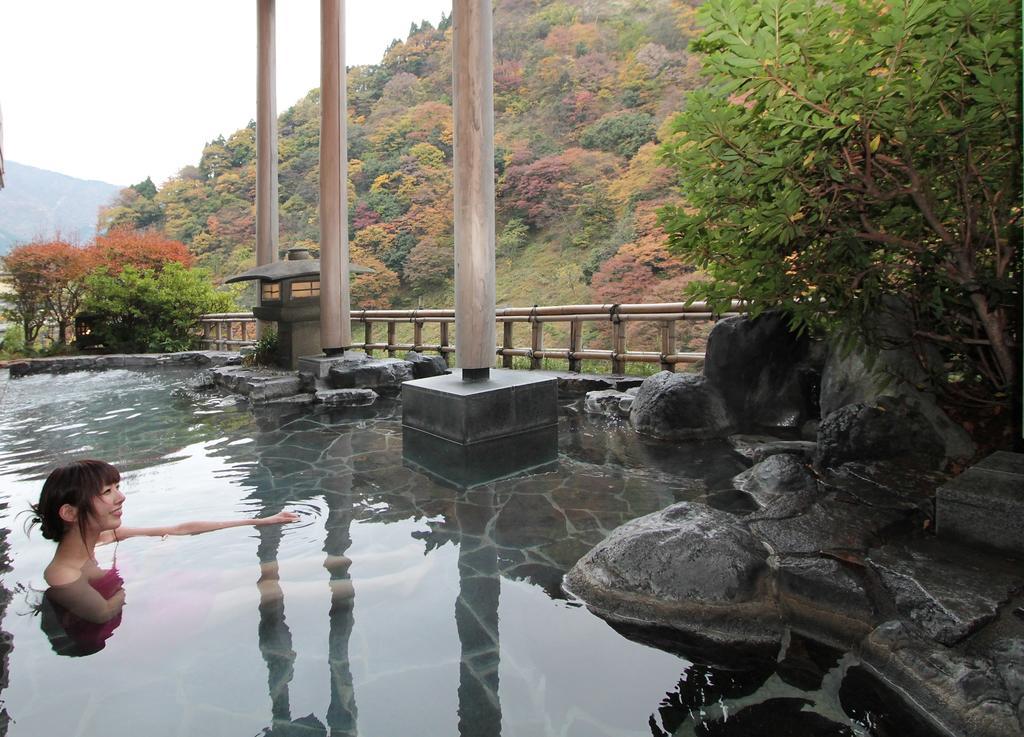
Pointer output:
x,y
643,270
143,249
48,280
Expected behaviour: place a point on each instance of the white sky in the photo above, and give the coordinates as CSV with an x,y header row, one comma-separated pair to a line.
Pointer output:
x,y
118,90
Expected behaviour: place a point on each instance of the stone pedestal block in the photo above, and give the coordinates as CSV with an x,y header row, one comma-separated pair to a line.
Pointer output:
x,y
470,433
320,366
985,504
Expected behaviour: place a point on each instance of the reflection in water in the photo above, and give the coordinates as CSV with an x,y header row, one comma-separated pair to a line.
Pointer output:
x,y
275,636
341,714
78,618
476,617
6,641
275,639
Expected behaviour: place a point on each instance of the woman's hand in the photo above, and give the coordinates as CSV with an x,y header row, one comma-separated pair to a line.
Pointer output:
x,y
277,519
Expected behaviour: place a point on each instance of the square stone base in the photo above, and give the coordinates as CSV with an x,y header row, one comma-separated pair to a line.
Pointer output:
x,y
470,433
985,504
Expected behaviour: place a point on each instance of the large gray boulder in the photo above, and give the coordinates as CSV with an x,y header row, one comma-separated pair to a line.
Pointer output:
x,y
423,367
680,407
850,376
767,374
385,375
777,474
688,567
847,379
892,428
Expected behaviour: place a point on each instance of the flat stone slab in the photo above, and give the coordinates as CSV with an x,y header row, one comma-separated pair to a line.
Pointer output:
x,y
610,402
985,504
320,366
825,526
347,397
963,694
260,385
947,590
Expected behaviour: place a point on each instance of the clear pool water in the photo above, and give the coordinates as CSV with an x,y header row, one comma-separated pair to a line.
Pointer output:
x,y
396,606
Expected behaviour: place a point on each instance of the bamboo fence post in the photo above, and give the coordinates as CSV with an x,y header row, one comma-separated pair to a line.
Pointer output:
x,y
220,335
417,335
668,344
575,344
536,343
506,342
618,346
391,338
445,342
367,336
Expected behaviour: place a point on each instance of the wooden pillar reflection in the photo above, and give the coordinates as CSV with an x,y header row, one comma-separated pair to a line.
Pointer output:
x,y
476,617
335,325
267,219
473,108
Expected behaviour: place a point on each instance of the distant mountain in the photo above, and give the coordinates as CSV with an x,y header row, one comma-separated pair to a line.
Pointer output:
x,y
38,203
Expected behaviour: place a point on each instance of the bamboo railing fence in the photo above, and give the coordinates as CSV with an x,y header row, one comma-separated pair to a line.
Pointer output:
x,y
225,331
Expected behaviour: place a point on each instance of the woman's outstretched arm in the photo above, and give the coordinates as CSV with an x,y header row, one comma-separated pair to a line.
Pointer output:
x,y
194,528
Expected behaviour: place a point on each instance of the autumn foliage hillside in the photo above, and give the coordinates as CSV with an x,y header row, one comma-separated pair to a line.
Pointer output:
x,y
581,90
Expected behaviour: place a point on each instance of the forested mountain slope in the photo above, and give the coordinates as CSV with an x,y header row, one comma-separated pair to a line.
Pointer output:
x,y
581,88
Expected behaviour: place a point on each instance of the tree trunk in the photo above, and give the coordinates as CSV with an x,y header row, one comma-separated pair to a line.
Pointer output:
x,y
994,322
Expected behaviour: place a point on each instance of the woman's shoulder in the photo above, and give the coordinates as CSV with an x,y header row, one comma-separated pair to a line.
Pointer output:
x,y
61,573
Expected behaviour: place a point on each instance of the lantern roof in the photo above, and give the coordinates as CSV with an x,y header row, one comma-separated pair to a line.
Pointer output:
x,y
299,263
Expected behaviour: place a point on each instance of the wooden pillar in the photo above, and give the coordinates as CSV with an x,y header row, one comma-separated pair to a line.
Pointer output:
x,y
266,139
335,325
473,109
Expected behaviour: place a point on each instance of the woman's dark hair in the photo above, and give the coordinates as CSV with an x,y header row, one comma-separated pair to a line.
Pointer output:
x,y
75,484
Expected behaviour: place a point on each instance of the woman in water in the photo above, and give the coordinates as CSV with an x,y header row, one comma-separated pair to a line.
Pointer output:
x,y
80,508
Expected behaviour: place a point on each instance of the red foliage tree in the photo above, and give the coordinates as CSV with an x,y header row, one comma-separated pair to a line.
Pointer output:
x,y
146,249
48,281
644,271
545,190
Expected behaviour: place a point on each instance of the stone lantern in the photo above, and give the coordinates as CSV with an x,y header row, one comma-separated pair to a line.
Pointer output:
x,y
289,294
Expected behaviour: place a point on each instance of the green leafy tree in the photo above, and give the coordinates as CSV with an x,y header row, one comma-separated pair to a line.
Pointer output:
x,y
621,134
851,151
140,310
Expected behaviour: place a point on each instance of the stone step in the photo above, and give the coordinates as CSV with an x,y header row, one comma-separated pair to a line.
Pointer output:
x,y
985,504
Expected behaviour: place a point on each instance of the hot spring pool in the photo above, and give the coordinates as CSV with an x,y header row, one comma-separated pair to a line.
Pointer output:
x,y
396,606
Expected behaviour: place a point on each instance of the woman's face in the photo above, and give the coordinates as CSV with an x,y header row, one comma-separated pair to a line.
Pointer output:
x,y
106,508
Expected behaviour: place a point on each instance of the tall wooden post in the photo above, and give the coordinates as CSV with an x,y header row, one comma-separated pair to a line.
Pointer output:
x,y
473,101
266,138
335,323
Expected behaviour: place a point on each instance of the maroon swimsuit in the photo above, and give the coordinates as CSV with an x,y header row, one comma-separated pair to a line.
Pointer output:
x,y
89,637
